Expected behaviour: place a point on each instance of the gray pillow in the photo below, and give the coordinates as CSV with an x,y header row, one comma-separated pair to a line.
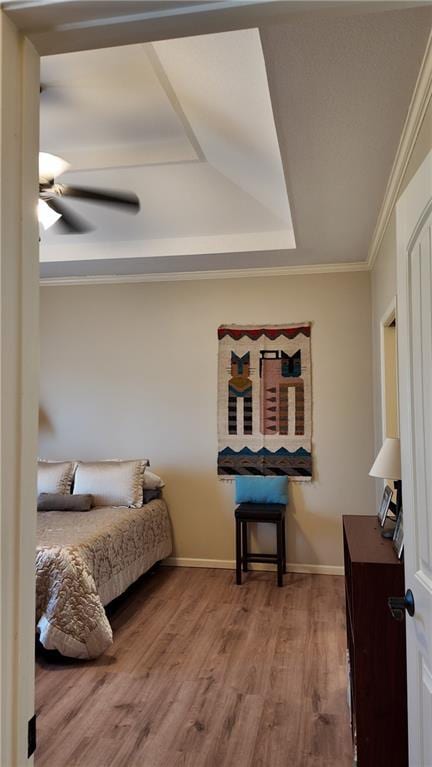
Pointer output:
x,y
59,502
150,494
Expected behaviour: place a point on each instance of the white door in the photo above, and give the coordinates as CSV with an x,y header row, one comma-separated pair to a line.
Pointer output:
x,y
414,242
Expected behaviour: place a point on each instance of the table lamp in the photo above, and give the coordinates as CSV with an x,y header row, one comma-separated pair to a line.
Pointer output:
x,y
387,465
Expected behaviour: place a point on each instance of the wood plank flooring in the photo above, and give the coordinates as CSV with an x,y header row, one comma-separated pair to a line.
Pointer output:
x,y
204,673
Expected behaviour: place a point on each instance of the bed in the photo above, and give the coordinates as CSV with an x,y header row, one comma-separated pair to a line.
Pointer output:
x,y
83,562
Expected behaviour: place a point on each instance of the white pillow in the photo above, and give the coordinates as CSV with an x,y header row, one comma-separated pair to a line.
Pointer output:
x,y
152,481
111,483
55,476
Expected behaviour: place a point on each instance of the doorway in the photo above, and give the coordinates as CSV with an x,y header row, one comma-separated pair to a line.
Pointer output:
x,y
389,373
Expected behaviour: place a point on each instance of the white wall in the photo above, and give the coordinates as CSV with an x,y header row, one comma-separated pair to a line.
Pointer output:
x,y
131,370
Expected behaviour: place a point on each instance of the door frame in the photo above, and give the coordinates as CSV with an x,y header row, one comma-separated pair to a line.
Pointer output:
x,y
19,363
386,321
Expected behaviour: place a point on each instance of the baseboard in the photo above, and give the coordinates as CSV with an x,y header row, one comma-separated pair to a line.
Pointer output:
x,y
229,564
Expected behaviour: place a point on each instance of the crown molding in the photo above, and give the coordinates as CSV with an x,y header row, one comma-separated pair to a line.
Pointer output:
x,y
215,274
416,112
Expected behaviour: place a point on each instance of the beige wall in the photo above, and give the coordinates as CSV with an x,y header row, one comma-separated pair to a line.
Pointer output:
x,y
131,370
384,272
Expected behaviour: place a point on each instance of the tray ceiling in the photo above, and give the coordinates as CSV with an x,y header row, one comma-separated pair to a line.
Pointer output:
x,y
186,124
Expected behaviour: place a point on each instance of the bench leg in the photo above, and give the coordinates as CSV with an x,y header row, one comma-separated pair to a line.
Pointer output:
x,y
238,552
284,545
245,546
279,536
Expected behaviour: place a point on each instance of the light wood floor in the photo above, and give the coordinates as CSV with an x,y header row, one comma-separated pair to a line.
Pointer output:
x,y
203,673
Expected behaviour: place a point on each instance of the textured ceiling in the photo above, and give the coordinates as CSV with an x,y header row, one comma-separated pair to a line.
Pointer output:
x,y
340,89
60,26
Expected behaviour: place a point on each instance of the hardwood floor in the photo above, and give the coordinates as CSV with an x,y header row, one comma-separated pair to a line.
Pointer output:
x,y
203,673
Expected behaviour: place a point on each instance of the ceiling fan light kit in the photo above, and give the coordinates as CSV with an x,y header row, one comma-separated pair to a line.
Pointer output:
x,y
53,209
46,215
50,167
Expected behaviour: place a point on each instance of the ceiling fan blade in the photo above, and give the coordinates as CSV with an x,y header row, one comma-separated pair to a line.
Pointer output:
x,y
69,222
126,200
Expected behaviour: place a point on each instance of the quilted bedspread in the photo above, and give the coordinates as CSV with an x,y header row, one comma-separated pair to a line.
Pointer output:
x,y
86,559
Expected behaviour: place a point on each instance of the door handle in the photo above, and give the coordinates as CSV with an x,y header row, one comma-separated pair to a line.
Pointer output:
x,y
397,605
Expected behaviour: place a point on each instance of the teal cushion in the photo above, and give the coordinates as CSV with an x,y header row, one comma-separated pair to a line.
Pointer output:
x,y
261,489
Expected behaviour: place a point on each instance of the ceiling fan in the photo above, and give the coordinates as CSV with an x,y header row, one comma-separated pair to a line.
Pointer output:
x,y
53,207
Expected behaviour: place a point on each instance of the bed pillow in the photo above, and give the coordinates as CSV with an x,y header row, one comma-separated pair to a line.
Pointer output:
x,y
261,490
55,476
111,483
59,502
151,494
152,481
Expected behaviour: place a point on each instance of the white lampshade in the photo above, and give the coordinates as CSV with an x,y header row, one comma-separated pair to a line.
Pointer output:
x,y
388,462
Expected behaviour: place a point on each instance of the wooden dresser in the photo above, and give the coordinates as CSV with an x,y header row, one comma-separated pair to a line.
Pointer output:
x,y
376,645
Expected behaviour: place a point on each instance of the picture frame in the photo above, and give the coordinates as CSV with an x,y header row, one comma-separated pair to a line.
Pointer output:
x,y
385,505
398,536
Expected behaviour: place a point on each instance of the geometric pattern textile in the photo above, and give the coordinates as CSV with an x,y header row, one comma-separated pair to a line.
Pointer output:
x,y
265,400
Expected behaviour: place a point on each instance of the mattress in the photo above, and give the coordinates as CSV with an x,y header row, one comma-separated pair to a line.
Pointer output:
x,y
86,559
